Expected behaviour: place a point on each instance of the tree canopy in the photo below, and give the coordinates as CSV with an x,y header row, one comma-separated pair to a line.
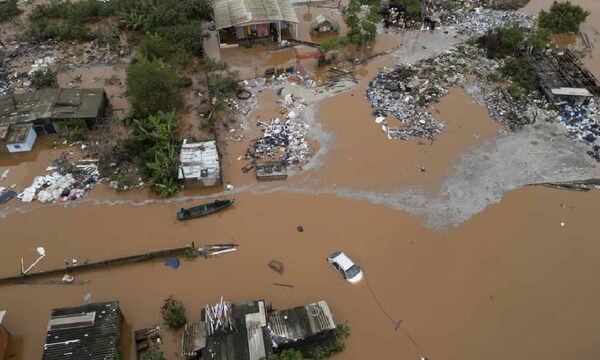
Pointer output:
x,y
563,17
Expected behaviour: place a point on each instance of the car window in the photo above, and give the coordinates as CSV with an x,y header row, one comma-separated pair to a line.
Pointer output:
x,y
352,272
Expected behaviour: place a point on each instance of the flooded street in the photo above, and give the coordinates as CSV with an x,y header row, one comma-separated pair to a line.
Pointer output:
x,y
504,285
515,281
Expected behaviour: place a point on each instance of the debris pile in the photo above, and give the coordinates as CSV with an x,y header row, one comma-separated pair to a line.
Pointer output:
x,y
480,21
67,182
581,122
283,140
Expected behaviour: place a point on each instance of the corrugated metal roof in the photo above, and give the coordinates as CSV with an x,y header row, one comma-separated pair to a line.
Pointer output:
x,y
302,321
82,340
51,104
199,161
249,341
571,91
230,13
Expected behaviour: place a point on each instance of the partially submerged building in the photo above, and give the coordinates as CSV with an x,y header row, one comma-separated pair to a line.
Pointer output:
x,y
199,164
4,335
563,77
91,332
47,111
323,24
251,331
248,22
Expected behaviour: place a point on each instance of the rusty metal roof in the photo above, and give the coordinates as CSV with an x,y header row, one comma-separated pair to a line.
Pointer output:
x,y
51,104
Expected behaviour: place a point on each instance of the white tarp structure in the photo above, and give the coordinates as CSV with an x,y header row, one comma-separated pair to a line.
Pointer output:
x,y
229,13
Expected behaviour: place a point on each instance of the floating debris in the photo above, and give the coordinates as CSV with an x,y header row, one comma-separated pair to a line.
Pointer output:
x,y
283,140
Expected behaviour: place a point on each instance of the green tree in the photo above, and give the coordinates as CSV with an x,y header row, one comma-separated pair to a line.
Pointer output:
x,y
153,86
173,313
563,17
412,8
510,40
539,38
289,354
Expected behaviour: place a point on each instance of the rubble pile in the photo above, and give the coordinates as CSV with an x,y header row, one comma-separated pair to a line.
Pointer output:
x,y
284,139
478,22
6,85
406,90
581,121
67,182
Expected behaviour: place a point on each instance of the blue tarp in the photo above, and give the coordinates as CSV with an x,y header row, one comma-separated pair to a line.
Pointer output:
x,y
172,262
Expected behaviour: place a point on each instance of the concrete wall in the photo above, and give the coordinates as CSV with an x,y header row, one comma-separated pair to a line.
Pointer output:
x,y
200,183
27,145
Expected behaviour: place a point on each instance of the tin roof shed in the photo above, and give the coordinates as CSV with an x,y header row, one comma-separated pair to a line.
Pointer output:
x,y
230,13
91,332
199,161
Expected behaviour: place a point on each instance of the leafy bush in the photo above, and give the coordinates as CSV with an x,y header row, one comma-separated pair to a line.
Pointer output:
x,y
154,142
539,38
43,79
75,133
361,31
500,43
173,313
187,37
412,8
288,354
153,354
66,20
563,17
521,73
152,87
8,10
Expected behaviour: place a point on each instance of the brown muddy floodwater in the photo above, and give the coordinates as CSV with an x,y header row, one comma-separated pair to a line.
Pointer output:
x,y
517,281
510,283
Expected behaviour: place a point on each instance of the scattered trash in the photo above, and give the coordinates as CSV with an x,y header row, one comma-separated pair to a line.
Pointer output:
x,y
562,224
284,285
284,140
229,187
87,298
300,228
276,266
6,196
172,262
42,254
4,174
68,278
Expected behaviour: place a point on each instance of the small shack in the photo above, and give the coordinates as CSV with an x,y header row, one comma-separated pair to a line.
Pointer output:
x,y
271,170
562,76
323,24
20,138
4,335
199,164
49,111
91,332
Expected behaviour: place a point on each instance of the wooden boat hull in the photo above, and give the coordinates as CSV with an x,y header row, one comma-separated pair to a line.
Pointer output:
x,y
204,210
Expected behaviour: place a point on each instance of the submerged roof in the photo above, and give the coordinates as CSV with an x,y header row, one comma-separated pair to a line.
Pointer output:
x,y
249,340
50,104
199,161
300,322
90,332
230,13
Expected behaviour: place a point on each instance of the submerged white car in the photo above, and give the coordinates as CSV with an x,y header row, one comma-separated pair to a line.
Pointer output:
x,y
349,270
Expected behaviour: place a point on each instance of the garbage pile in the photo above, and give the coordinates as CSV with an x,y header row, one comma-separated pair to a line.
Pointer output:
x,y
582,123
478,22
283,140
6,85
62,185
406,90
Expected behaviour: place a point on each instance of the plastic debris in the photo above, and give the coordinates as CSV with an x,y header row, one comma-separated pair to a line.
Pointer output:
x,y
172,262
4,174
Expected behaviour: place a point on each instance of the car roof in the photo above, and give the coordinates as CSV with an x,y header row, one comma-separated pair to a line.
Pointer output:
x,y
344,261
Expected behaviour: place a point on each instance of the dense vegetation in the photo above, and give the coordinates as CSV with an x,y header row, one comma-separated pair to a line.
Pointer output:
x,y
173,313
412,8
362,30
8,10
152,86
563,17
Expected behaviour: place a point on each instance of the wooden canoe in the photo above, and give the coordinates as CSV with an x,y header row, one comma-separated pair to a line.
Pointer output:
x,y
203,210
